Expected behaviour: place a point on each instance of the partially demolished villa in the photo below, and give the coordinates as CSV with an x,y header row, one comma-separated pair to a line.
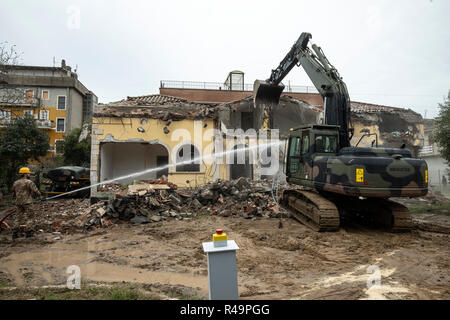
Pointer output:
x,y
156,134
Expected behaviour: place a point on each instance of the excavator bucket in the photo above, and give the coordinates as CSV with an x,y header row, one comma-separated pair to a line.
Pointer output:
x,y
266,94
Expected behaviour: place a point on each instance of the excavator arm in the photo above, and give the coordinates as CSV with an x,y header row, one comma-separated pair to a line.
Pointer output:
x,y
323,75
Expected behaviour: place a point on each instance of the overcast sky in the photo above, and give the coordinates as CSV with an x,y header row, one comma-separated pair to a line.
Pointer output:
x,y
388,52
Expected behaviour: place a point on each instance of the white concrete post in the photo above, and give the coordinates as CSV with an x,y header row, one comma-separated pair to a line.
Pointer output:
x,y
222,268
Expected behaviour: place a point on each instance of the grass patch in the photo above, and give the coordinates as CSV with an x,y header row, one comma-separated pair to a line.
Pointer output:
x,y
125,294
442,208
92,292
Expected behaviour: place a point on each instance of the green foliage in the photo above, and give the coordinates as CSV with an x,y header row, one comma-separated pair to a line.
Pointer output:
x,y
124,294
440,208
442,134
76,153
20,142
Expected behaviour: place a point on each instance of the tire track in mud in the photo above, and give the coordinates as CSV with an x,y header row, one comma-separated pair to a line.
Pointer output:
x,y
289,263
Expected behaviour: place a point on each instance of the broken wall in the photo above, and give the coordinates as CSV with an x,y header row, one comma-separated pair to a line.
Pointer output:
x,y
393,126
289,113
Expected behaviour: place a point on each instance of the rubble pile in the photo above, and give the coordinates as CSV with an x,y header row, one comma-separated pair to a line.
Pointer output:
x,y
62,215
158,200
141,203
238,197
153,201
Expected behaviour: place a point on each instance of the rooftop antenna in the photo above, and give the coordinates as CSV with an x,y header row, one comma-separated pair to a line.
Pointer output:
x,y
54,61
76,68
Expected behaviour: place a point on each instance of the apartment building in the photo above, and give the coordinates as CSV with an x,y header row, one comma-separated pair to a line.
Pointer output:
x,y
53,96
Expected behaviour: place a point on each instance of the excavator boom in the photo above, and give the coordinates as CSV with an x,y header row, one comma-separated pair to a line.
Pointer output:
x,y
323,75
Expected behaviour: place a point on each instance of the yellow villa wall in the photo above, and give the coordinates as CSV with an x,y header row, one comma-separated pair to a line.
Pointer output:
x,y
126,129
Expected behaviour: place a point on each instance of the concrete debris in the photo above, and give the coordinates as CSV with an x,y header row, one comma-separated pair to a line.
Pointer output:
x,y
101,211
152,201
116,187
155,201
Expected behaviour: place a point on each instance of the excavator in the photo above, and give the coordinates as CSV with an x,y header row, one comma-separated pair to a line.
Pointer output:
x,y
335,180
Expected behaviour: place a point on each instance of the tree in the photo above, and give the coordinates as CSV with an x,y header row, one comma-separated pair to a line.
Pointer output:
x,y
442,133
76,152
20,142
9,94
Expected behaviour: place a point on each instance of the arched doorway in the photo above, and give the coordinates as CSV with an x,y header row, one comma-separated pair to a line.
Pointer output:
x,y
118,159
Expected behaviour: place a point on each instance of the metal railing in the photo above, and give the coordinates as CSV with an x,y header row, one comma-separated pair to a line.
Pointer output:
x,y
173,84
41,124
21,102
46,124
427,151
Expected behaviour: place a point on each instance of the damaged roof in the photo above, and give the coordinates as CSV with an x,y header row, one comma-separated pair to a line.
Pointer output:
x,y
283,98
156,106
365,108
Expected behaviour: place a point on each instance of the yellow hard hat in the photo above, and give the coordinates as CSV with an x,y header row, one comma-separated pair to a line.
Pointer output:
x,y
24,170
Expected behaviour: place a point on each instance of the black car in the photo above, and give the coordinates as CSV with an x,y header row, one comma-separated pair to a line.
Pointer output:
x,y
65,179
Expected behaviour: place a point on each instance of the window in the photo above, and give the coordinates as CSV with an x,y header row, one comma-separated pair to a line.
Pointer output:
x,y
29,96
43,115
28,113
326,144
294,154
189,155
305,143
45,95
294,149
60,125
59,146
5,114
61,102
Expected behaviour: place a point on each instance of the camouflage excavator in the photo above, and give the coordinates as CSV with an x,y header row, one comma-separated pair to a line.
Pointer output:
x,y
339,180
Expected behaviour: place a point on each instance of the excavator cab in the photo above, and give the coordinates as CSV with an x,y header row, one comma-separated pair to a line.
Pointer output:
x,y
305,144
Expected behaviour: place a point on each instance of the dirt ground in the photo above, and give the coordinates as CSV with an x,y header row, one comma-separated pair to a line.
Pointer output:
x,y
288,263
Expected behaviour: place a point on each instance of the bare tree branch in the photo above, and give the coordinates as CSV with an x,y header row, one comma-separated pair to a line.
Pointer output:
x,y
9,57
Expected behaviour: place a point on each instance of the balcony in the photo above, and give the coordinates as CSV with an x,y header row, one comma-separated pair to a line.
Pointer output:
x,y
41,124
45,124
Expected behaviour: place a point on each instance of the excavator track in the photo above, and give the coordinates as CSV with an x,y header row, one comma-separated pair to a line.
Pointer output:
x,y
311,209
395,216
391,216
321,213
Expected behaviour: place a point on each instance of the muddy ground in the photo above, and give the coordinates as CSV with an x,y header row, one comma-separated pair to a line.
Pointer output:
x,y
289,263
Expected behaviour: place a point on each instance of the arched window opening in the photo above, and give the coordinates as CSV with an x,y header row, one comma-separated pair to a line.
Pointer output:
x,y
188,157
